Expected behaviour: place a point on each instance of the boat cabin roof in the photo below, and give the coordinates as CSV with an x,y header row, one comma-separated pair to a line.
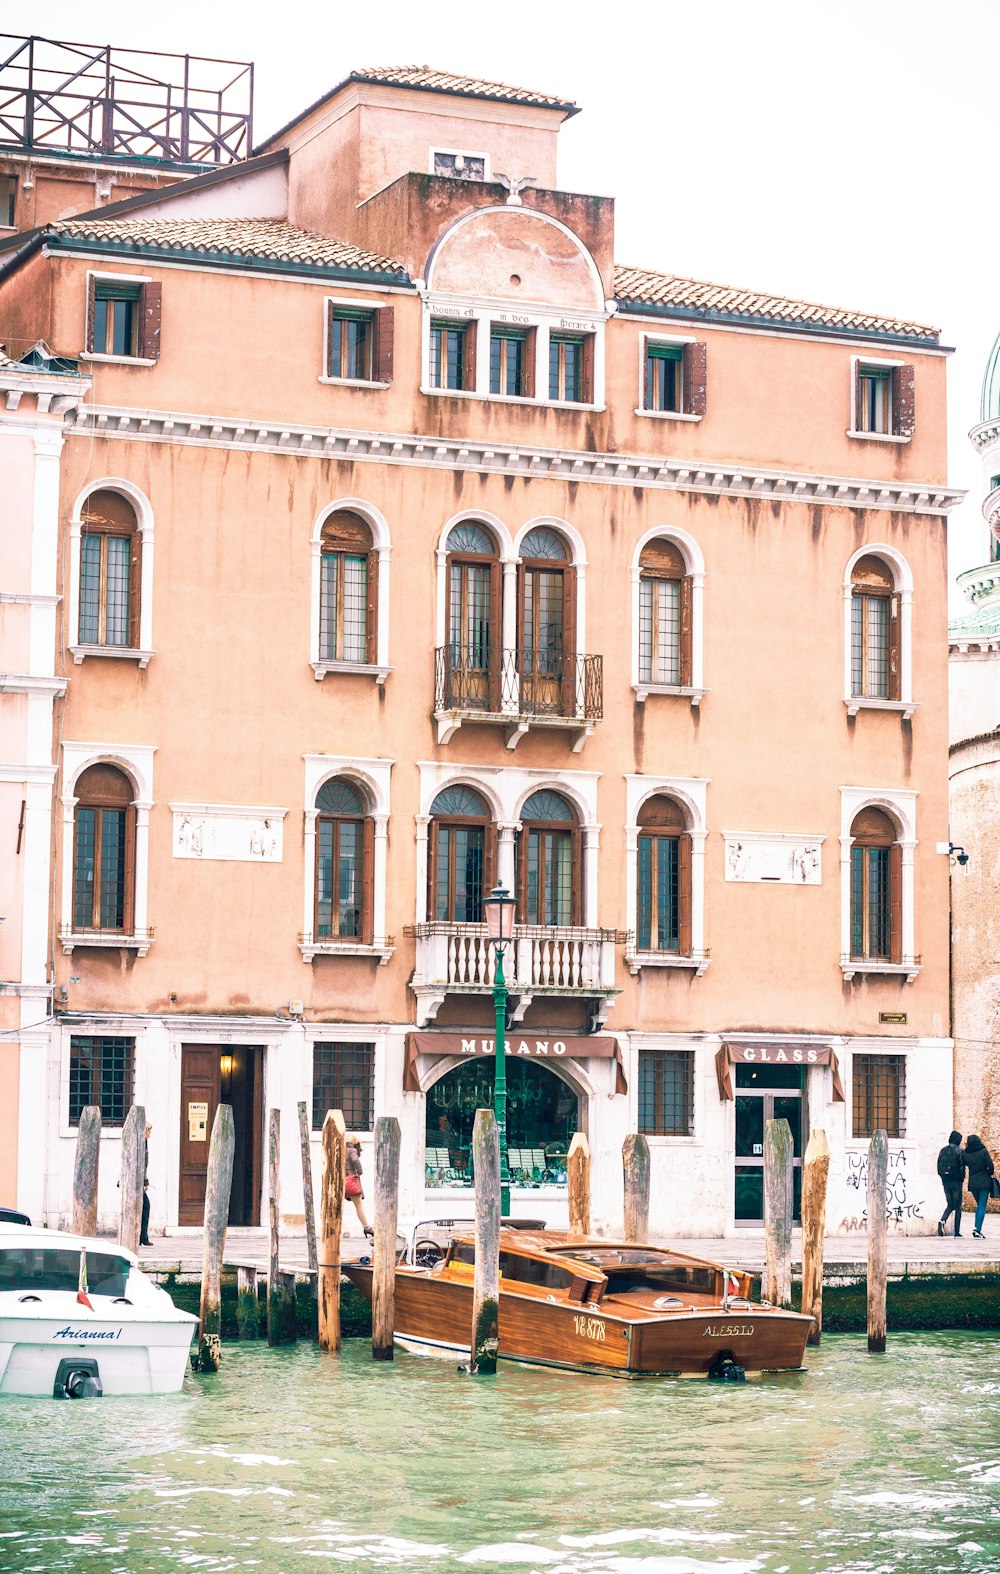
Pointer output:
x,y
23,1236
590,1257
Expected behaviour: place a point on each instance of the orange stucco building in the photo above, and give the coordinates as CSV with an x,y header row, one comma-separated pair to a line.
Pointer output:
x,y
379,536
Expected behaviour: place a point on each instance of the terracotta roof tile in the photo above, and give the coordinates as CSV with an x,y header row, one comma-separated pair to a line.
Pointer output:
x,y
465,87
639,287
243,239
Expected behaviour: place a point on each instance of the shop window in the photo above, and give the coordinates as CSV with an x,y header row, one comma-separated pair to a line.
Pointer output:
x,y
663,916
110,572
101,1072
666,1092
344,862
878,1087
344,1079
453,356
348,609
571,367
103,852
875,631
542,1117
512,361
665,615
462,856
123,318
876,885
549,871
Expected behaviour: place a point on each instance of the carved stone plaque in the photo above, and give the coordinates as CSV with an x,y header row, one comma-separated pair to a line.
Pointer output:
x,y
758,858
228,831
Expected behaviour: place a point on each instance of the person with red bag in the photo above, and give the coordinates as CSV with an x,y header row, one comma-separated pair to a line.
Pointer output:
x,y
353,1190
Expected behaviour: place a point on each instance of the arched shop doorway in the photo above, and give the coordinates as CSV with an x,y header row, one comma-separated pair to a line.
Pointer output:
x,y
543,1112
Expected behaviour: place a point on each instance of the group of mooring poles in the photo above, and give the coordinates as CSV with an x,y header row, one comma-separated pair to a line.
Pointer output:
x,y
778,1177
325,1252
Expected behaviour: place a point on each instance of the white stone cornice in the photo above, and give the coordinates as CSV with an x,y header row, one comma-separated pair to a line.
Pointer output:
x,y
22,683
991,510
491,457
984,434
980,584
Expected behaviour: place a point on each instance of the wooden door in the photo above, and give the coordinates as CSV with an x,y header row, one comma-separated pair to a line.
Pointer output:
x,y
200,1085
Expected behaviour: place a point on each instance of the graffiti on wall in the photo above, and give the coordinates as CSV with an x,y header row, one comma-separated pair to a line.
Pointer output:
x,y
898,1204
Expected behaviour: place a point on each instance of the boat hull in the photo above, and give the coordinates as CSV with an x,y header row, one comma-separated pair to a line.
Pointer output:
x,y
137,1357
436,1312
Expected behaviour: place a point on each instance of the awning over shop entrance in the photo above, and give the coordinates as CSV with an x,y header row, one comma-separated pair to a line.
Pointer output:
x,y
775,1055
600,1047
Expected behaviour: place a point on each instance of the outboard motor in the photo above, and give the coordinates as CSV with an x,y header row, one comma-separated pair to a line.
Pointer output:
x,y
77,1377
726,1369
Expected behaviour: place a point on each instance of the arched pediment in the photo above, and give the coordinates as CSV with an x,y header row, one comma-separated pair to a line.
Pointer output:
x,y
515,254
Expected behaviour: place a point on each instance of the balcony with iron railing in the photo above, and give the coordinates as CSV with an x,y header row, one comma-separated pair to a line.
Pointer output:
x,y
518,690
546,960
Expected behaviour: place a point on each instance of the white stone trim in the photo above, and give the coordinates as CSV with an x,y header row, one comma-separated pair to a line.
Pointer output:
x,y
692,793
144,524
378,525
900,804
136,760
903,586
372,775
505,458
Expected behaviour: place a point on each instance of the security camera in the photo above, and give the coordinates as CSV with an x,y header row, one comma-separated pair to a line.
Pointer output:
x,y
962,858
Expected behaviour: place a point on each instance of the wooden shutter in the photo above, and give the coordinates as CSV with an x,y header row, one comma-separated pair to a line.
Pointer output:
x,y
382,349
150,304
695,378
128,915
494,655
528,380
684,895
521,875
489,858
569,618
576,908
433,835
134,588
371,609
587,370
895,646
686,632
902,401
368,882
647,380
469,342
91,298
895,903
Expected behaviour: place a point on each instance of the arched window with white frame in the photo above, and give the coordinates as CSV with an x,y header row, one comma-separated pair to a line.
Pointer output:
x,y
668,578
349,624
110,585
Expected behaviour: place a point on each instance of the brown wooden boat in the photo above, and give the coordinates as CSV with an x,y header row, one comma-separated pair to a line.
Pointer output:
x,y
592,1305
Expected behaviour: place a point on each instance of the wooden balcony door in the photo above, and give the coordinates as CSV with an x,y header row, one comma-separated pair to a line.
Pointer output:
x,y
212,1074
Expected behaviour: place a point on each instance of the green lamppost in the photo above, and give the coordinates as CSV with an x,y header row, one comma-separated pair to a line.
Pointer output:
x,y
499,910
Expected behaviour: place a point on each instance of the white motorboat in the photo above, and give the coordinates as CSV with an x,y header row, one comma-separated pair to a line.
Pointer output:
x,y
78,1319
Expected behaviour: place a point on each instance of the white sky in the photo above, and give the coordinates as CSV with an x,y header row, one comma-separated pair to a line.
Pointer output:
x,y
837,150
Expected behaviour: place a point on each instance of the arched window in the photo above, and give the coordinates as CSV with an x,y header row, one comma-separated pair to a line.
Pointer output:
x,y
473,648
549,870
876,888
546,624
348,593
665,622
344,861
103,851
663,891
875,631
462,865
110,571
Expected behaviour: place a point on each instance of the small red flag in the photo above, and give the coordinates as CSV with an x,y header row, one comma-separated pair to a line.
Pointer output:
x,y
83,1299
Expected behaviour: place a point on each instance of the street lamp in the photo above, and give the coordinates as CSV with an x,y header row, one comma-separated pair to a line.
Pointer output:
x,y
499,911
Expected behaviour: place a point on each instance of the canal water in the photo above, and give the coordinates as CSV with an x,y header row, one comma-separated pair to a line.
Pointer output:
x,y
292,1461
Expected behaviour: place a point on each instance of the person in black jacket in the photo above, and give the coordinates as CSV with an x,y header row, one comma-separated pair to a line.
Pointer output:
x,y
979,1168
951,1168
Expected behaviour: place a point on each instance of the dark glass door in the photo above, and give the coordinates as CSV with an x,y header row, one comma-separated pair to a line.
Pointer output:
x,y
764,1093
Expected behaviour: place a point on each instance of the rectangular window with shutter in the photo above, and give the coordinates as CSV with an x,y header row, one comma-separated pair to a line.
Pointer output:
x,y
673,377
883,400
123,318
666,1092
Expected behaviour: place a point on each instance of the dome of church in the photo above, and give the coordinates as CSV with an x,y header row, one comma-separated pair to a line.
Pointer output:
x,y
990,408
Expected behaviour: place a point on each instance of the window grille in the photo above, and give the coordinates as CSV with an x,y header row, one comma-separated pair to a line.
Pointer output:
x,y
344,1079
666,1092
659,630
878,1095
101,1072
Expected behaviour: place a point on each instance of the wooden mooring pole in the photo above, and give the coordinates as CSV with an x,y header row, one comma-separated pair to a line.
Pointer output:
x,y
133,1177
778,1154
384,1252
331,1213
815,1169
85,1174
878,1165
247,1302
217,1190
635,1161
578,1184
485,1339
280,1304
307,1191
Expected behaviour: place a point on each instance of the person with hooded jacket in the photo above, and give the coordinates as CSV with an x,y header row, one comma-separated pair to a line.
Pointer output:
x,y
951,1168
980,1171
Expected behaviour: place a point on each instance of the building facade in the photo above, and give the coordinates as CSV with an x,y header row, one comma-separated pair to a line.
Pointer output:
x,y
974,681
401,541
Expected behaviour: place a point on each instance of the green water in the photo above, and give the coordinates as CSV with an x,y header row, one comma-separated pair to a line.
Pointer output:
x,y
292,1461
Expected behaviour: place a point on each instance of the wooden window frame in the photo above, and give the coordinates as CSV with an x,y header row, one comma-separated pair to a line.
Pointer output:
x,y
378,354
468,329
366,854
586,343
103,796
692,354
146,318
529,828
899,376
491,561
103,530
670,565
872,579
661,818
453,822
504,335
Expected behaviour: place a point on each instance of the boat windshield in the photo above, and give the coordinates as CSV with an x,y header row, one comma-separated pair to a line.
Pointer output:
x,y
537,1271
40,1268
637,1268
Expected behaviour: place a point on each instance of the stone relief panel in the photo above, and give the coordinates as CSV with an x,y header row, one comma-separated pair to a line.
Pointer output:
x,y
755,857
228,831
